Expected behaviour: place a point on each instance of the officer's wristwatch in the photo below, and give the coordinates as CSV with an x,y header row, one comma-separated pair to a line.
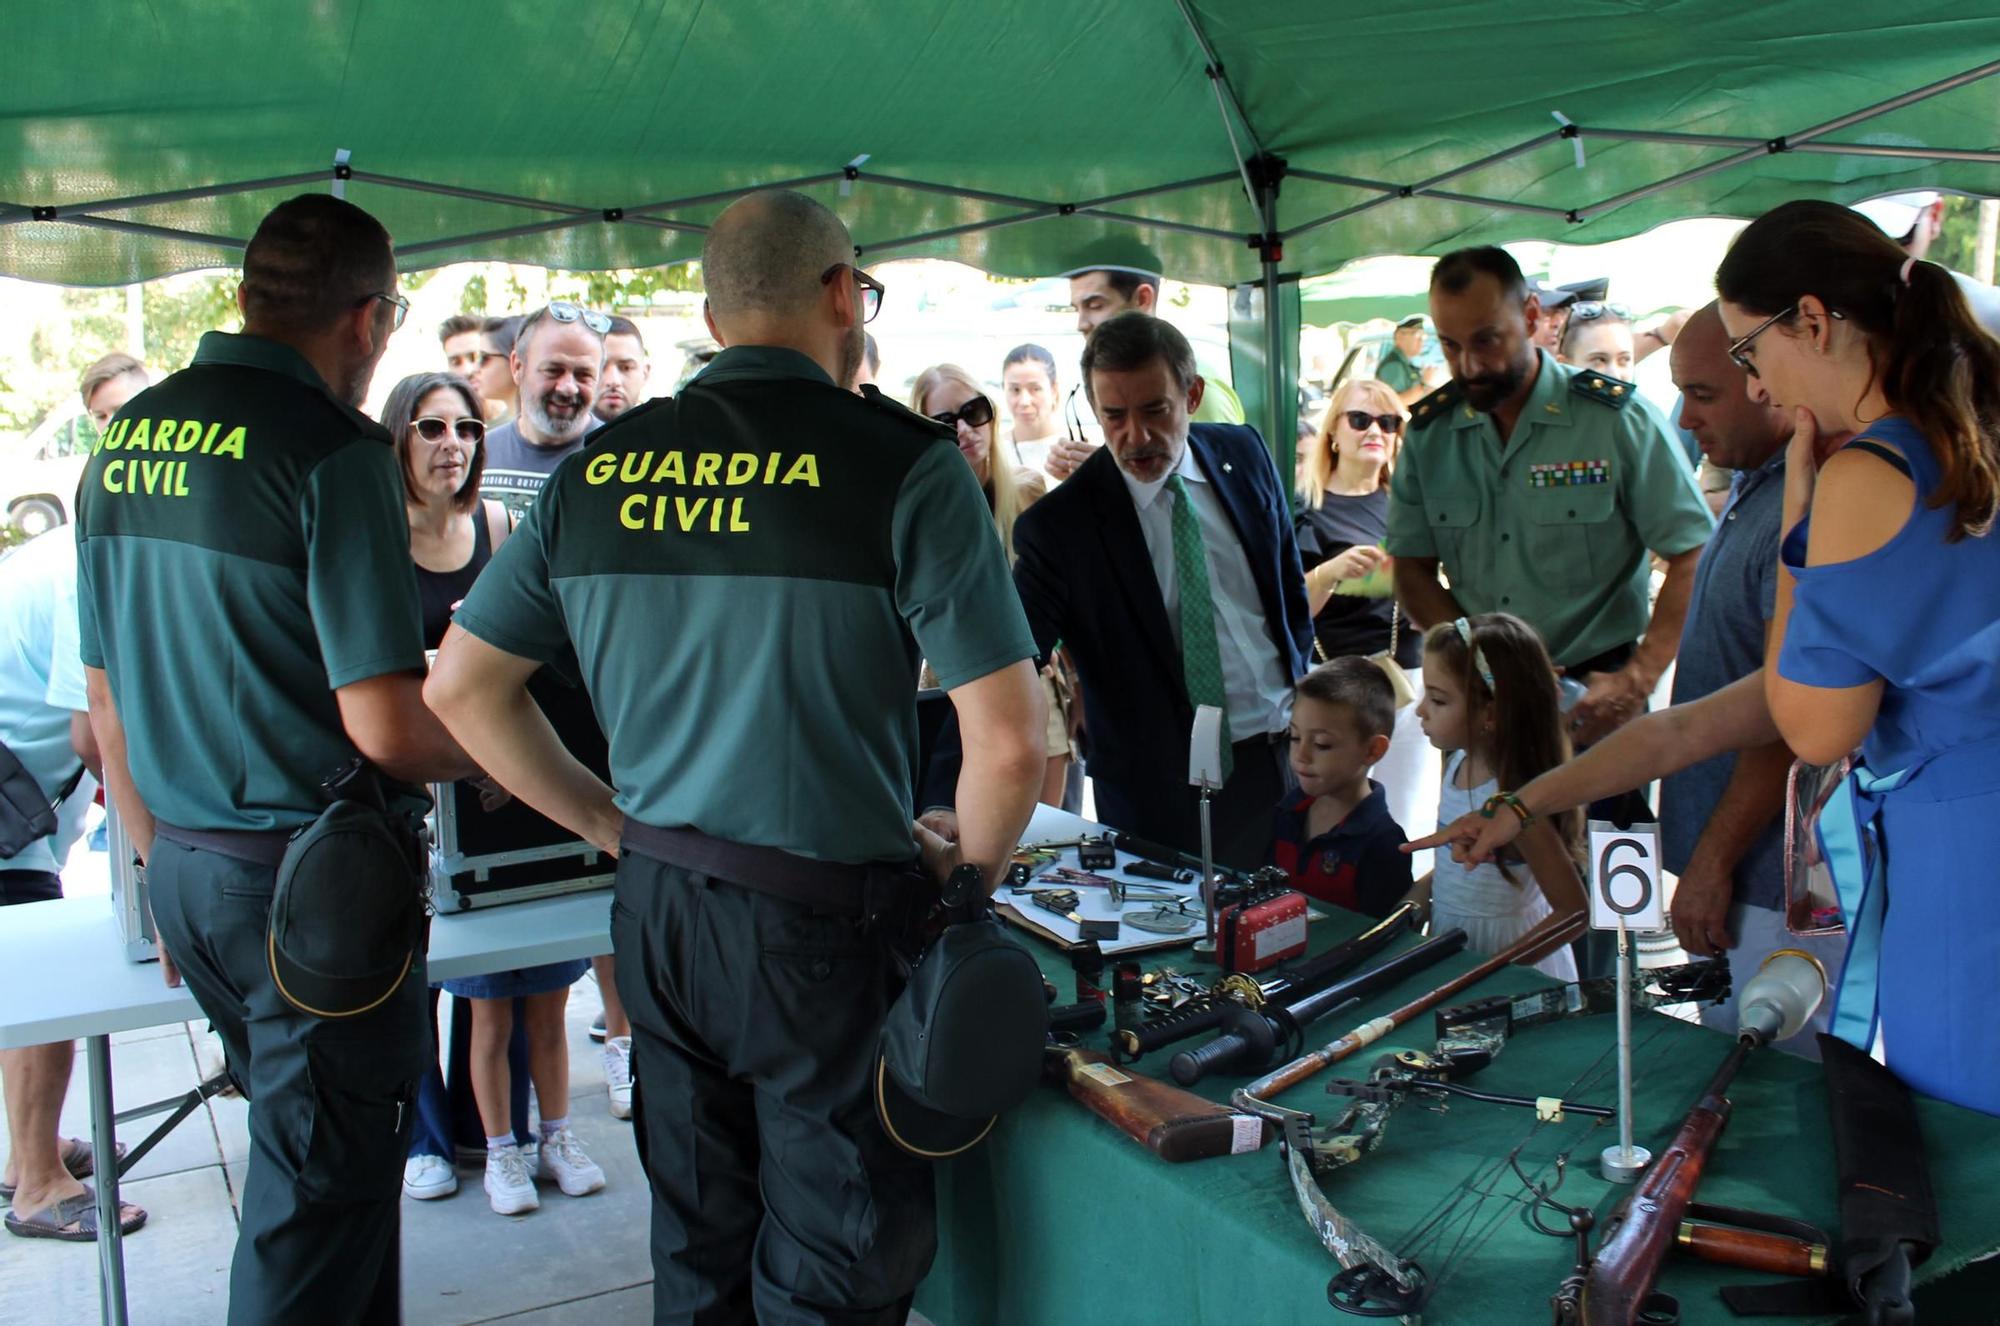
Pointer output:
x,y
964,886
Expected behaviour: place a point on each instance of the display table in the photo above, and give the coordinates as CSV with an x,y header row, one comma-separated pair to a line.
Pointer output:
x,y
64,975
1059,1217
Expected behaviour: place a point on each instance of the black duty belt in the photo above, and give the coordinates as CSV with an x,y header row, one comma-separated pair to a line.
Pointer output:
x,y
1610,660
867,891
258,847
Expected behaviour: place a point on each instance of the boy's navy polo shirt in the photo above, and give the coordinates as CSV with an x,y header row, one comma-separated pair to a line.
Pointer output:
x,y
1354,864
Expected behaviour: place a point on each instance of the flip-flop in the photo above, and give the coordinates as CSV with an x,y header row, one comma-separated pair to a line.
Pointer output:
x,y
77,1157
73,1219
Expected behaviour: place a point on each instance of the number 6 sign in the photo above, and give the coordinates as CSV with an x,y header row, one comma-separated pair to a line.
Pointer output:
x,y
1625,877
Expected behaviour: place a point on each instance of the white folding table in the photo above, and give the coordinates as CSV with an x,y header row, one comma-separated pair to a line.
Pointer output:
x,y
64,976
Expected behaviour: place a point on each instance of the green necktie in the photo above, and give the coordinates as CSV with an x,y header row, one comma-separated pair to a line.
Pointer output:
x,y
1201,660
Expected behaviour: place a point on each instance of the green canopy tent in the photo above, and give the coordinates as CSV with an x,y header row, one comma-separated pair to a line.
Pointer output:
x,y
1243,140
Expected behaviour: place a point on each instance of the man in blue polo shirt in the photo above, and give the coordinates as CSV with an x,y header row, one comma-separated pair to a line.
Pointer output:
x,y
1720,829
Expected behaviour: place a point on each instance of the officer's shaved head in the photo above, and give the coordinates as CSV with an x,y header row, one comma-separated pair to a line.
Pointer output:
x,y
766,253
313,259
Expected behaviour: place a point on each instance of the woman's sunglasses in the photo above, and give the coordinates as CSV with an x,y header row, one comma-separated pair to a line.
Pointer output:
x,y
432,429
1590,310
975,413
1359,420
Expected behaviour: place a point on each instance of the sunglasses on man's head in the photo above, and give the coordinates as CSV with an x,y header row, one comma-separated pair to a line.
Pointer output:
x,y
564,311
1359,420
975,413
432,429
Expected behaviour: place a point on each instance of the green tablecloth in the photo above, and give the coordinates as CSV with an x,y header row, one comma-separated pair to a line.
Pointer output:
x,y
1059,1218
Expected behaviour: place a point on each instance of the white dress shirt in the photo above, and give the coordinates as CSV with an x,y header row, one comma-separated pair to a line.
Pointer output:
x,y
1257,695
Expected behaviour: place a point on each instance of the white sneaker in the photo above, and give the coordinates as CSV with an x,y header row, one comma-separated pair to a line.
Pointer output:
x,y
510,1185
427,1178
564,1161
618,1075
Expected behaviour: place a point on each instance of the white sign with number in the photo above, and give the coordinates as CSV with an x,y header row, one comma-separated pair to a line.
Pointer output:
x,y
1625,877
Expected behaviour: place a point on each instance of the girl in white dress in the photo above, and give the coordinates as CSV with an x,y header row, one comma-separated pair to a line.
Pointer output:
x,y
1490,703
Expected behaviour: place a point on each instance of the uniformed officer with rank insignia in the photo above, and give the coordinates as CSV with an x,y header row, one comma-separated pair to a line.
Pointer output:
x,y
249,626
1539,489
746,575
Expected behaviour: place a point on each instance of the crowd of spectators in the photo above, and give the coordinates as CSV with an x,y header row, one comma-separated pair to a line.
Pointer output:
x,y
1479,570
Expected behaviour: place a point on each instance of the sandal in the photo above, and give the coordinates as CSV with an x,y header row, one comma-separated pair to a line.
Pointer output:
x,y
73,1219
77,1158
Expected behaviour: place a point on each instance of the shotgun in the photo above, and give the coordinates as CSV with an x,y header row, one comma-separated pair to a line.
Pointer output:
x,y
1174,1125
1250,1038
1287,986
1253,1098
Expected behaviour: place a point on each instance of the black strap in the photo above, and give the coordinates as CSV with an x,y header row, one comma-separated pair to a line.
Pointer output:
x,y
1874,448
835,886
69,787
259,847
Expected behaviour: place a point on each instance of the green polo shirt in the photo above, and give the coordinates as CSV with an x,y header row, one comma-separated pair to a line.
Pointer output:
x,y
242,553
1554,524
748,574
1398,370
1219,403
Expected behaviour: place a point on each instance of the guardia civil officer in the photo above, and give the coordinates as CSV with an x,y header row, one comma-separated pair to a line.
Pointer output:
x,y
1540,489
747,575
249,626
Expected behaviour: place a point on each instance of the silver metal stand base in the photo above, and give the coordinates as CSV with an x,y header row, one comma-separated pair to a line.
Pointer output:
x,y
1619,1167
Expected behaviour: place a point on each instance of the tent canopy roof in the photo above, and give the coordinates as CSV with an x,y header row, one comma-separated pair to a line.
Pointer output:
x,y
1020,110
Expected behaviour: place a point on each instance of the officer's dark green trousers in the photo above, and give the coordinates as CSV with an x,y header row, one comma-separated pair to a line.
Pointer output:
x,y
330,1111
776,1195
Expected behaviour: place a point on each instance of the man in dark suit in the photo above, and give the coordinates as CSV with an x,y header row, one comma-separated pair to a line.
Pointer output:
x,y
1166,566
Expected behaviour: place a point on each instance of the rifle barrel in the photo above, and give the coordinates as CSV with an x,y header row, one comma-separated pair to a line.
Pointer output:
x,y
1297,1071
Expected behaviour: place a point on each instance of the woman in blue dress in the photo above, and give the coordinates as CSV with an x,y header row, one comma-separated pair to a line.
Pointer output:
x,y
1887,630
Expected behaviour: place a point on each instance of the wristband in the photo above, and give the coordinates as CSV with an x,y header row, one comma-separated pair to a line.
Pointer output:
x,y
1511,802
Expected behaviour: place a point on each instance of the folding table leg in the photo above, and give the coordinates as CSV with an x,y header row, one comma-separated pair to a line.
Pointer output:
x,y
104,1142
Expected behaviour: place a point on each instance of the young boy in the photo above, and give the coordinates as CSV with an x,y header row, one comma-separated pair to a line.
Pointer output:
x,y
1337,841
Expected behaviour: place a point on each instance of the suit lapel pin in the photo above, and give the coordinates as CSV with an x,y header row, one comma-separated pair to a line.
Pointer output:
x,y
1226,468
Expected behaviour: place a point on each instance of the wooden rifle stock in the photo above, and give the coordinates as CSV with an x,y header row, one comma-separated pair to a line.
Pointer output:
x,y
1303,1067
1648,1221
1752,1249
1173,1124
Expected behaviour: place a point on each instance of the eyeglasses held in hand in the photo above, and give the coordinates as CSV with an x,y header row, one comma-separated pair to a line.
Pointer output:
x,y
564,311
1359,420
872,290
432,429
394,301
975,413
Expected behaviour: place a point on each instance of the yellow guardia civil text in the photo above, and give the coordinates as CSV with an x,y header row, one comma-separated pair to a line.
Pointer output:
x,y
646,472
163,471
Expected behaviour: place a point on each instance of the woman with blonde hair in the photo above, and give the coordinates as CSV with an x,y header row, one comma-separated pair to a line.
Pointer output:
x,y
1343,514
953,397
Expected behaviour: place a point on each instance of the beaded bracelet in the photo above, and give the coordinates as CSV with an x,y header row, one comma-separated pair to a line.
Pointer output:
x,y
1511,802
